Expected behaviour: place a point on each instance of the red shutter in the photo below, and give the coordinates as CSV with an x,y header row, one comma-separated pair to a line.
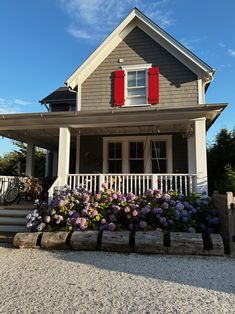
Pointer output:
x,y
153,86
119,88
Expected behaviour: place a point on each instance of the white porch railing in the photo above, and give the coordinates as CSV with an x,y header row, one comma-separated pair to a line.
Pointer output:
x,y
136,183
52,189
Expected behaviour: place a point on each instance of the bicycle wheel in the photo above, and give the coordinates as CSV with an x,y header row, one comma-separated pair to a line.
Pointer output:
x,y
11,195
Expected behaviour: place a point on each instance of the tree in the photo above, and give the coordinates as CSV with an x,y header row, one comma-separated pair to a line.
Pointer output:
x,y
220,154
14,163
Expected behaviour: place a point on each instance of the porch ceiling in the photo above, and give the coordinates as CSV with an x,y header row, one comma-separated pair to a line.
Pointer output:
x,y
42,129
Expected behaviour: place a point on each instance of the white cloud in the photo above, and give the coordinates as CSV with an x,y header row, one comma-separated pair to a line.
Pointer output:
x,y
13,105
231,52
222,45
2,101
21,102
94,19
79,33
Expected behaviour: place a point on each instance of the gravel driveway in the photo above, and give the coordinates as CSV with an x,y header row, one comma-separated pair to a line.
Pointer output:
x,y
36,281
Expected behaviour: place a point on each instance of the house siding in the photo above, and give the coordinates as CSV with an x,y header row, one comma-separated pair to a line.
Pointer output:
x,y
91,154
180,153
178,85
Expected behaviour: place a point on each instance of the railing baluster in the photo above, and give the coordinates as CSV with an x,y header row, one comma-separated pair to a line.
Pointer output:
x,y
190,184
181,185
139,186
166,187
125,183
170,182
185,185
131,183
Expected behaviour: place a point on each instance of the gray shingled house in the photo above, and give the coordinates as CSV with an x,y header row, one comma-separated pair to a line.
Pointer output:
x,y
132,115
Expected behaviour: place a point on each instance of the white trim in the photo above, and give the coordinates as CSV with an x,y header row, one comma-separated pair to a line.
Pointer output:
x,y
79,97
136,67
147,150
159,35
201,91
63,153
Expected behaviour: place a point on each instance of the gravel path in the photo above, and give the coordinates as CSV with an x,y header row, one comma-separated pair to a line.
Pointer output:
x,y
36,281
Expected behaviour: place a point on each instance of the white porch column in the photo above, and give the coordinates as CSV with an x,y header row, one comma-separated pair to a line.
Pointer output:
x,y
197,158
30,159
77,167
54,163
64,154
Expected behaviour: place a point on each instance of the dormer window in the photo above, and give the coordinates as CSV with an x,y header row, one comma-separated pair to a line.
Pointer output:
x,y
136,85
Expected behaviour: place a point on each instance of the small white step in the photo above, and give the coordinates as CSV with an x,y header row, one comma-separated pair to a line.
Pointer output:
x,y
10,228
13,221
14,212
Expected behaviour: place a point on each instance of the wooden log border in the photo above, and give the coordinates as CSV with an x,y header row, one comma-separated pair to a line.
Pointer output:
x,y
149,242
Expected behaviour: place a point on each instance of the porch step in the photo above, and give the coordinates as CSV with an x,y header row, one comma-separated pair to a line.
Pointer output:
x,y
13,228
7,237
25,206
14,212
19,221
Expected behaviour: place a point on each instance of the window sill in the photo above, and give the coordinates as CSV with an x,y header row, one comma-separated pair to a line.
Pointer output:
x,y
137,105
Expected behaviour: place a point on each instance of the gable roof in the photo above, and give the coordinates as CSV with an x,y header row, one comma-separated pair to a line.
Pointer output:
x,y
137,18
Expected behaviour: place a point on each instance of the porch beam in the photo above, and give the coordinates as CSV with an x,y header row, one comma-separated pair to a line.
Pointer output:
x,y
63,155
30,152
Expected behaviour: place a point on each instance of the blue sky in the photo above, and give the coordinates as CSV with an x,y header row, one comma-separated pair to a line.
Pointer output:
x,y
43,42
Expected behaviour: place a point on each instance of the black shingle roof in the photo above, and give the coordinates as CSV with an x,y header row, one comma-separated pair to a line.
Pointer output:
x,y
60,95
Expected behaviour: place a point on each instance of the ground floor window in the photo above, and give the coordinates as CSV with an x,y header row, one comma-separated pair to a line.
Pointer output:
x,y
159,157
137,154
136,157
115,157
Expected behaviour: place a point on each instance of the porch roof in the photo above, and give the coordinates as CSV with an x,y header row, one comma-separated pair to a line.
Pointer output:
x,y
42,129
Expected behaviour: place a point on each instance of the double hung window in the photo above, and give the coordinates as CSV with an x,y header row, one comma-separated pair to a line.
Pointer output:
x,y
159,158
136,157
115,157
136,87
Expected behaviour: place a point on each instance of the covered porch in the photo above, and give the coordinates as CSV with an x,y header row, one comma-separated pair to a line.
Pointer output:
x,y
130,151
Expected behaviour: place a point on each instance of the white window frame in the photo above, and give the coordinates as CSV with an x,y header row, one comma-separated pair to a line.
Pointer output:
x,y
136,67
147,139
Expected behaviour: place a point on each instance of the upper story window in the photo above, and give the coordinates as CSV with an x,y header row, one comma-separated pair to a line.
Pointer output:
x,y
136,85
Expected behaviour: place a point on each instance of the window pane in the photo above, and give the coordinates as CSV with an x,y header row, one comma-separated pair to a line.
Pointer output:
x,y
159,166
135,101
136,91
115,150
131,79
158,149
136,150
115,166
136,166
141,78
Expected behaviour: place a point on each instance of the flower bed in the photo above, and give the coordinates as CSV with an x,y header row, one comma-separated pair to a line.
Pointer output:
x,y
78,210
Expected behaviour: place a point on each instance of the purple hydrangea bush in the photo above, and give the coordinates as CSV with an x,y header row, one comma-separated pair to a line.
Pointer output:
x,y
111,210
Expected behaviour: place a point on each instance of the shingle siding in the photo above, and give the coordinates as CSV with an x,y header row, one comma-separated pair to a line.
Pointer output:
x,y
178,85
180,153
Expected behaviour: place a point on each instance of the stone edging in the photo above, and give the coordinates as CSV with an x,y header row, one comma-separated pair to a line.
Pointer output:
x,y
150,242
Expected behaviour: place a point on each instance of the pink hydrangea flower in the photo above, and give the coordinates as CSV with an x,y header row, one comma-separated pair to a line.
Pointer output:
x,y
127,209
134,213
